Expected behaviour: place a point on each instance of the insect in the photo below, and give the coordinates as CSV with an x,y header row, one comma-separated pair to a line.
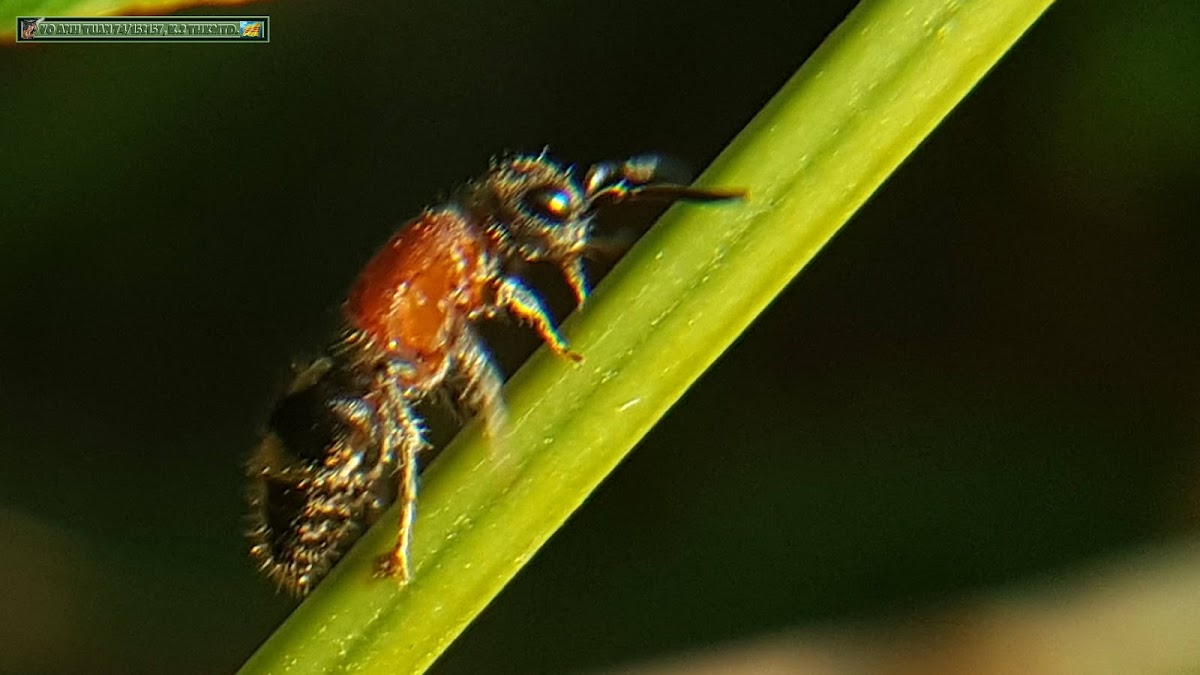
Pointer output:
x,y
342,442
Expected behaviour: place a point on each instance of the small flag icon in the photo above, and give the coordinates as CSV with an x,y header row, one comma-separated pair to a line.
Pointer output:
x,y
250,29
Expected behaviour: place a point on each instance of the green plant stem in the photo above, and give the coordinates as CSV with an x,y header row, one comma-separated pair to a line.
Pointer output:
x,y
873,91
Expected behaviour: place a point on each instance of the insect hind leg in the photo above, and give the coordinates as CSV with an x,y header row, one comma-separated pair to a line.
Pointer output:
x,y
403,437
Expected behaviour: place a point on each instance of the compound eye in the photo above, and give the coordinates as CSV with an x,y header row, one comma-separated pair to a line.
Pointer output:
x,y
548,203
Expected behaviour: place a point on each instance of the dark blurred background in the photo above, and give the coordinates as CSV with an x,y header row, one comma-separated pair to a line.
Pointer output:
x,y
989,378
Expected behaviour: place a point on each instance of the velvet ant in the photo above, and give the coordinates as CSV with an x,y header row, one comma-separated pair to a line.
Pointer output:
x,y
342,442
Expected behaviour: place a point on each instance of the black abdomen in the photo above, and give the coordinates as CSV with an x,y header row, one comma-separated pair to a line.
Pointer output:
x,y
318,478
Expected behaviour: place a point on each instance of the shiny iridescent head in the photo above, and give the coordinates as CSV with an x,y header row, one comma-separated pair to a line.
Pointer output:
x,y
538,210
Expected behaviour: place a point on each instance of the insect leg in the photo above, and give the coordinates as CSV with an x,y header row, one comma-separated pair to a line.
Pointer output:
x,y
523,302
576,276
483,383
402,437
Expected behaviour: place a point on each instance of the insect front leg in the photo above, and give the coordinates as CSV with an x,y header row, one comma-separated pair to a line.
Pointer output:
x,y
516,297
402,437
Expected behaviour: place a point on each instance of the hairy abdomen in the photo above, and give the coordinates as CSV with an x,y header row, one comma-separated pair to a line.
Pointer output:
x,y
318,479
